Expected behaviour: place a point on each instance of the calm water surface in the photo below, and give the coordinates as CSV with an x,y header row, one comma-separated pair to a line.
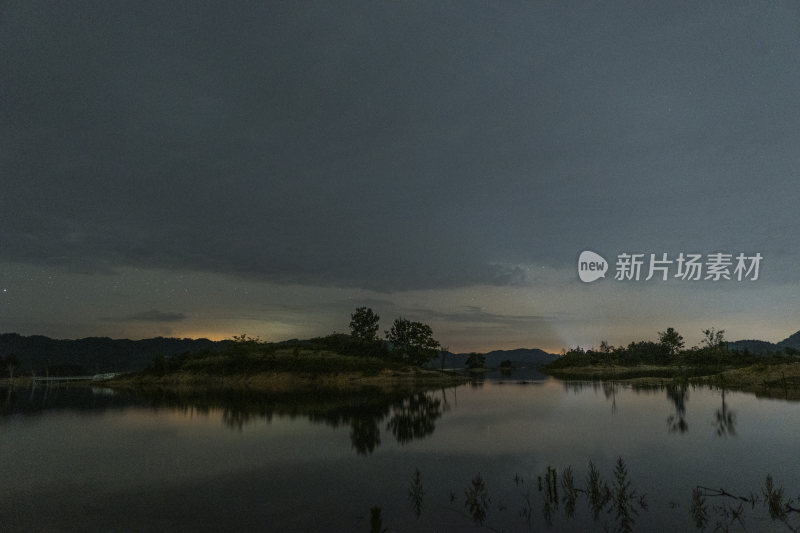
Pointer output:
x,y
92,459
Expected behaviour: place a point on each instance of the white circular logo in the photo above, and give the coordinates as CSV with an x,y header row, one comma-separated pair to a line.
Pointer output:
x,y
591,266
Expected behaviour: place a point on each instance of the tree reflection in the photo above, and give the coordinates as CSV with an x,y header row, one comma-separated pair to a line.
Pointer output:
x,y
414,417
477,381
608,388
35,399
365,434
610,392
725,419
407,415
678,395
445,403
8,402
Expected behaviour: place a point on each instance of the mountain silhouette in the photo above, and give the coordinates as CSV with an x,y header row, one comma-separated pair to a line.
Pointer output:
x,y
520,357
92,355
792,342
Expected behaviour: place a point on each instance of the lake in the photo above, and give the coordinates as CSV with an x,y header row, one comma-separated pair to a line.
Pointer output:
x,y
95,459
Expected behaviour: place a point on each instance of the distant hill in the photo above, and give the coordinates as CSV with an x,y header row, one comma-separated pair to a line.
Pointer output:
x,y
753,346
521,357
791,342
94,354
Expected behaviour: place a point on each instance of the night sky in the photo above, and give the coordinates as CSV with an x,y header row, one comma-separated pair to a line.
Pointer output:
x,y
203,169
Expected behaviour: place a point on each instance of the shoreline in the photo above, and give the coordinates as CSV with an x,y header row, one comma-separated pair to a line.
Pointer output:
x,y
780,381
409,379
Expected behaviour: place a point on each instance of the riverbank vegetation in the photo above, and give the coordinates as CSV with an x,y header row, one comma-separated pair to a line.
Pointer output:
x,y
336,361
713,363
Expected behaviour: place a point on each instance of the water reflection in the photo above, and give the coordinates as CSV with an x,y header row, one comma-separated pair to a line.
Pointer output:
x,y
150,468
414,417
37,398
609,389
477,381
678,395
610,392
369,414
365,435
407,417
725,419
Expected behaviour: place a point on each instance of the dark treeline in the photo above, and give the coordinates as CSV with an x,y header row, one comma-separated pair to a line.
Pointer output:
x,y
337,352
405,343
41,355
670,350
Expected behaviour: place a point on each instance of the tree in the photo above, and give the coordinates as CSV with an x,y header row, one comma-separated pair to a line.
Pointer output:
x,y
412,341
476,360
672,340
364,324
648,352
713,340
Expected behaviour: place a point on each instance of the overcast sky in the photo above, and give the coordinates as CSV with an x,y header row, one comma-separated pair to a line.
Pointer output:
x,y
211,168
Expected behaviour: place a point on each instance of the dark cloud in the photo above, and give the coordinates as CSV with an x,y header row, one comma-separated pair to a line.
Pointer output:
x,y
153,315
397,145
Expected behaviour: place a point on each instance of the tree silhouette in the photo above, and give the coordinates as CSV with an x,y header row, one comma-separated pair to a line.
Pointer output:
x,y
412,341
672,340
364,324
